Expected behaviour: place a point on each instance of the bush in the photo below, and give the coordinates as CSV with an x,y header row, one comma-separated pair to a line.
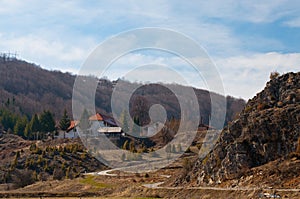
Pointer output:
x,y
32,147
186,167
274,75
23,178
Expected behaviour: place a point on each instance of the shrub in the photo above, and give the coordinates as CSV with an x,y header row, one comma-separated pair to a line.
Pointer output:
x,y
247,109
32,147
68,173
23,178
186,166
58,174
274,75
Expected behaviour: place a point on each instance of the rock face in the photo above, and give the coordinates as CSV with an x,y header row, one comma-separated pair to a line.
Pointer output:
x,y
267,129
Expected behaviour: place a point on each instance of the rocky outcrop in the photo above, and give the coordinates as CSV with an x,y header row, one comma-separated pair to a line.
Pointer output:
x,y
268,128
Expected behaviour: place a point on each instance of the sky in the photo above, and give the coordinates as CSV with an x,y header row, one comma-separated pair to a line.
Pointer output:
x,y
246,40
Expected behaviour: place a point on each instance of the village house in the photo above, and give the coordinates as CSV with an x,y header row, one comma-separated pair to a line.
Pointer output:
x,y
107,124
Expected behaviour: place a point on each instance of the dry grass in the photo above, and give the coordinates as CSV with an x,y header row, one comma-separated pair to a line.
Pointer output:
x,y
83,198
90,180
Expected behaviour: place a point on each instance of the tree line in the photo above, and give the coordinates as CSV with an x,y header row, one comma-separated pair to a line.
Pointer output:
x,y
38,126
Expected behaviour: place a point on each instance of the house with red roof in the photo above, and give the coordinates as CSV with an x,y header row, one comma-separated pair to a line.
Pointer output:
x,y
107,124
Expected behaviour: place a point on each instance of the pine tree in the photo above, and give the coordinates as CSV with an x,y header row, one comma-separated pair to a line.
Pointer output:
x,y
47,122
132,147
179,148
125,145
168,148
124,121
136,129
20,126
32,127
84,121
65,121
173,148
7,119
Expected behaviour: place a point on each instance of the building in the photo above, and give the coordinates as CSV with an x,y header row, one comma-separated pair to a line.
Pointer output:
x,y
107,124
71,132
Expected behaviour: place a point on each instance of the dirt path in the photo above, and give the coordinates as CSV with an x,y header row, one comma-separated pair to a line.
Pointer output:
x,y
156,186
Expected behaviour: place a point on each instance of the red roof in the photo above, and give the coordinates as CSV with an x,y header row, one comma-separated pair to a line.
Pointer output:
x,y
73,124
96,117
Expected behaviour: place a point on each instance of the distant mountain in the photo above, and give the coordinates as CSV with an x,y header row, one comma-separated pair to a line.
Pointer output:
x,y
26,88
261,146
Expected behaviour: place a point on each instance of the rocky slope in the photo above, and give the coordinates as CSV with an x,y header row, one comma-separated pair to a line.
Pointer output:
x,y
267,129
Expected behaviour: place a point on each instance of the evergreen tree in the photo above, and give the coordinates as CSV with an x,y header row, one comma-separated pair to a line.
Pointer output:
x,y
136,129
27,131
20,126
132,147
168,148
7,119
65,121
173,148
179,148
84,121
32,127
47,122
125,145
124,121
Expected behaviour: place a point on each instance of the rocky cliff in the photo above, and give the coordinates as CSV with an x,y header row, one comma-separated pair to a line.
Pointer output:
x,y
267,129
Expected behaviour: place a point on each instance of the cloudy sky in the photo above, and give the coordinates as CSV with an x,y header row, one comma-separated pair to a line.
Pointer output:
x,y
245,39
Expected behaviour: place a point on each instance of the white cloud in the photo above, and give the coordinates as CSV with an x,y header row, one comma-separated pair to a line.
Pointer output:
x,y
295,23
48,52
244,76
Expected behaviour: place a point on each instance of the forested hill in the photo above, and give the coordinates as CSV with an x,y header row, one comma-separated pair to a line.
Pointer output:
x,y
26,89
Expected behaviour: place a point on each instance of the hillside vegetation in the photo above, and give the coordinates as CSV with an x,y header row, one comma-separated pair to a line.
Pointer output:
x,y
27,89
25,162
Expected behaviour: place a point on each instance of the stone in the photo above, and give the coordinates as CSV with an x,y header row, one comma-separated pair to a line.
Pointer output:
x,y
267,129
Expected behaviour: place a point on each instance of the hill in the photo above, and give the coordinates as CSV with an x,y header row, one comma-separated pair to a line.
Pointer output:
x,y
24,162
26,88
261,147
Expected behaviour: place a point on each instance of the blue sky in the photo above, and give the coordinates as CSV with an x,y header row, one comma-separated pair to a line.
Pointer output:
x,y
245,39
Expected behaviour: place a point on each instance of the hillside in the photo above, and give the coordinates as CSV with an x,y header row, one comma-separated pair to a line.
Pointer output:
x,y
25,162
262,146
27,89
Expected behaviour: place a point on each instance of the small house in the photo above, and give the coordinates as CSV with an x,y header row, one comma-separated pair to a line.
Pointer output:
x,y
107,124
